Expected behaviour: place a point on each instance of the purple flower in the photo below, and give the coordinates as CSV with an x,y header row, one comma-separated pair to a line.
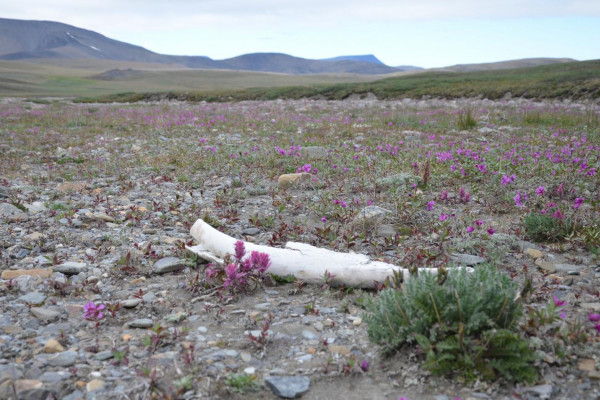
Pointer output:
x,y
479,222
443,217
364,365
505,180
491,231
578,203
444,195
594,317
470,229
540,191
558,215
519,199
240,250
324,219
558,302
430,205
597,327
93,312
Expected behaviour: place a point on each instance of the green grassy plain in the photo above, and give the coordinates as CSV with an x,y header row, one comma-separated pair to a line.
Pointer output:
x,y
576,80
80,78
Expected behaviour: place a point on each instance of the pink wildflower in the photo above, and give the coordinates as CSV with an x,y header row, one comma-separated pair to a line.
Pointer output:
x,y
93,312
240,250
578,203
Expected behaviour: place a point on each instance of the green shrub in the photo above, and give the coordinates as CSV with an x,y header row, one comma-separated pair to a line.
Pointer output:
x,y
466,325
466,121
542,227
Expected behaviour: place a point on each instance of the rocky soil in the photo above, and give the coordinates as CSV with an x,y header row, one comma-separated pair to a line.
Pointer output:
x,y
119,241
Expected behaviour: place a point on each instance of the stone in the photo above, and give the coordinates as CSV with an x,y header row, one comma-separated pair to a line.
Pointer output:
x,y
100,216
12,213
168,264
396,180
338,349
288,387
34,237
94,384
309,335
69,187
75,395
370,216
586,364
251,231
52,346
543,391
131,303
314,152
45,314
70,268
33,298
386,231
64,359
591,306
36,207
23,385
545,266
467,259
141,323
293,180
534,253
54,376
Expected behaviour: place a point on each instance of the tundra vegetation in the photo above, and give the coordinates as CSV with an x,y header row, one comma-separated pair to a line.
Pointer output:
x,y
510,187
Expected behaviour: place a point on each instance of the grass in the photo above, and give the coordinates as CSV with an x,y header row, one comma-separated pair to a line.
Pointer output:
x,y
576,80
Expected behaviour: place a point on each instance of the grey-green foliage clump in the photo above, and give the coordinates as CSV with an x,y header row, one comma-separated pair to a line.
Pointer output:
x,y
465,325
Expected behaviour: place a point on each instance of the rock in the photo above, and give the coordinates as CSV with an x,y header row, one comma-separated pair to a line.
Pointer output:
x,y
309,335
70,187
54,376
100,216
12,213
591,306
386,231
33,298
36,207
94,384
75,395
251,231
22,385
168,264
45,314
141,323
288,387
396,180
543,391
52,346
294,180
369,216
64,359
34,237
467,259
314,152
534,253
545,266
586,364
70,268
131,303
338,349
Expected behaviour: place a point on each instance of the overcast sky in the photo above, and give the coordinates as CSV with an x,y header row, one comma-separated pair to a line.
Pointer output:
x,y
427,33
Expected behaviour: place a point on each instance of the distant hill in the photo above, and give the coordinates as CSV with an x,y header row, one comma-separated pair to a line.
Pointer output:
x,y
511,64
36,41
365,58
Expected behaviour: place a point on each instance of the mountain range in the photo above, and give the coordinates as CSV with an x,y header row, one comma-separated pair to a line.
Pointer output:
x,y
35,41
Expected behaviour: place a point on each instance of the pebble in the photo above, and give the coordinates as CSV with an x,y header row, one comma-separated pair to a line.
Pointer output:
x,y
12,213
534,253
467,259
33,298
53,346
70,268
545,266
35,272
141,323
64,359
131,303
288,387
251,231
168,264
94,384
45,314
